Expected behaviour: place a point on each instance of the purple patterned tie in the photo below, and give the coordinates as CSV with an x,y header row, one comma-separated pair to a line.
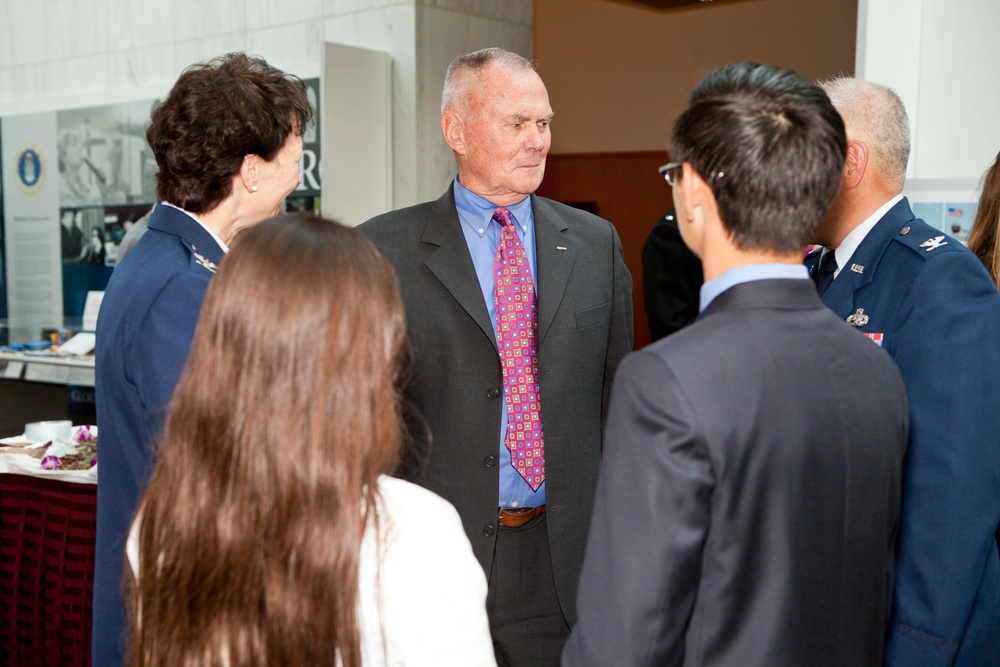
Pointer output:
x,y
517,330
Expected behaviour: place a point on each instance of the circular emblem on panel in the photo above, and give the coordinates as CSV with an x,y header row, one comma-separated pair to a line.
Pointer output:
x,y
29,168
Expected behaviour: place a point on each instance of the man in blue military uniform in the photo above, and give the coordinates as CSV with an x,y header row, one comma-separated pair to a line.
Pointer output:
x,y
929,302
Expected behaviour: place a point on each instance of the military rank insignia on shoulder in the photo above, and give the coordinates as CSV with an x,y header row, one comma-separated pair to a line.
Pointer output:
x,y
924,240
934,243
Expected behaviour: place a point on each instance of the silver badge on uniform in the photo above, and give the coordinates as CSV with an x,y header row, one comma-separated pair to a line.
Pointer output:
x,y
204,261
858,319
857,268
934,243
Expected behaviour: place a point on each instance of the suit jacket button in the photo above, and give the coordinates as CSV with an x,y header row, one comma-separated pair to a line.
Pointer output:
x,y
490,461
489,531
492,393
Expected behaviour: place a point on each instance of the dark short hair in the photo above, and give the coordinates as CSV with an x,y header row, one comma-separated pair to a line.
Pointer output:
x,y
217,113
770,145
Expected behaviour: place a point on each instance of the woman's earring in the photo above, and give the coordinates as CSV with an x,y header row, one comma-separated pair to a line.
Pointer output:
x,y
253,189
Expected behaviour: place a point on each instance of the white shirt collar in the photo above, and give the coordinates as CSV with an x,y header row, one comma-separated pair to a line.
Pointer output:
x,y
215,236
851,242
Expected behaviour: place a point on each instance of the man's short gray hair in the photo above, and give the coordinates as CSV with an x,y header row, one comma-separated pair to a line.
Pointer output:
x,y
455,81
875,116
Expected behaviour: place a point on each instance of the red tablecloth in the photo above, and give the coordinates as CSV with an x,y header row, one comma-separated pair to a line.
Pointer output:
x,y
47,530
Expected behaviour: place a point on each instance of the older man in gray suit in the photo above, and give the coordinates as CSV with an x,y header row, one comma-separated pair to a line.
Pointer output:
x,y
749,497
519,309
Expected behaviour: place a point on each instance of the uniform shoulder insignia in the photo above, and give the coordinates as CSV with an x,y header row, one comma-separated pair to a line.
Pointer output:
x,y
934,243
201,260
924,240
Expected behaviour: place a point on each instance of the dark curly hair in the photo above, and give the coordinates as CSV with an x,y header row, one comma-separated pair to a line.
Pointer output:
x,y
217,113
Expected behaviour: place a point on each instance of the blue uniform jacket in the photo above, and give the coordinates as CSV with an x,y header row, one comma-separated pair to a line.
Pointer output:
x,y
938,314
144,332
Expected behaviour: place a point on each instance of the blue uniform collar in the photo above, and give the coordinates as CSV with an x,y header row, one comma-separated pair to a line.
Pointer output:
x,y
863,263
180,223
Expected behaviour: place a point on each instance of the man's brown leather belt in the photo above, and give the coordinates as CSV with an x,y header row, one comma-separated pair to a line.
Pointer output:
x,y
517,518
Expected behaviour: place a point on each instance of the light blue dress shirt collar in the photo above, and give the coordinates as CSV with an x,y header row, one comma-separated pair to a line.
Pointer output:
x,y
476,213
746,274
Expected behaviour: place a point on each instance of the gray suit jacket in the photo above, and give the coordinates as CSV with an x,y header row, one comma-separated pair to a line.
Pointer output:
x,y
584,329
748,503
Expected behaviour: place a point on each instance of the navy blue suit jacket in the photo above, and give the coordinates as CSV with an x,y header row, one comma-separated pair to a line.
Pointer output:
x,y
737,522
144,332
939,316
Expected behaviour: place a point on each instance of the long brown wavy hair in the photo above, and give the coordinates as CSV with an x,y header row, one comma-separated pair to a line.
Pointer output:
x,y
286,413
984,238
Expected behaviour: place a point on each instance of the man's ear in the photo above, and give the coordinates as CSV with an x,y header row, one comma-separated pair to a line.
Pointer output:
x,y
453,129
690,204
856,164
696,193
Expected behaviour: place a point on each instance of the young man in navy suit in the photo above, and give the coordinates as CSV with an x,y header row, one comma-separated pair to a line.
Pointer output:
x,y
738,521
929,302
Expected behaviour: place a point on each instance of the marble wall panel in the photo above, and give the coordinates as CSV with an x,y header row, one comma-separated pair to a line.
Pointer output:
x,y
285,47
337,7
514,11
6,83
268,13
88,74
197,50
76,28
24,34
197,18
29,81
140,23
143,66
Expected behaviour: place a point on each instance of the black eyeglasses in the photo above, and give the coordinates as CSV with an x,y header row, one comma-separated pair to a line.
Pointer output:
x,y
671,172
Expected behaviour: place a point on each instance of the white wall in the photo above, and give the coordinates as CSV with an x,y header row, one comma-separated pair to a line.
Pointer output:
x,y
60,54
940,56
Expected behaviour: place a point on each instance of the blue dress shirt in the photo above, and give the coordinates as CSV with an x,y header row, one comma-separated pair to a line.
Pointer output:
x,y
745,274
482,235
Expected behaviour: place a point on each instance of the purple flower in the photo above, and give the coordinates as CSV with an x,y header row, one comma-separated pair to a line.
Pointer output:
x,y
93,462
84,434
51,463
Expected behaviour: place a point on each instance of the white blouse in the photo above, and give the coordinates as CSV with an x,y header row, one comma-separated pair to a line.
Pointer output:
x,y
422,600
432,589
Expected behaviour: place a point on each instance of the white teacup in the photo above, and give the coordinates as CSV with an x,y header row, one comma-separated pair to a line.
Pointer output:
x,y
61,429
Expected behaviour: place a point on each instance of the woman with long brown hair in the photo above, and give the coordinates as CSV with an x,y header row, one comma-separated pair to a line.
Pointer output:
x,y
269,533
984,239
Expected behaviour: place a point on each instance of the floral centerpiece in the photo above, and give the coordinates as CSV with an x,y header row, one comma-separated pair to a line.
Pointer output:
x,y
83,457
